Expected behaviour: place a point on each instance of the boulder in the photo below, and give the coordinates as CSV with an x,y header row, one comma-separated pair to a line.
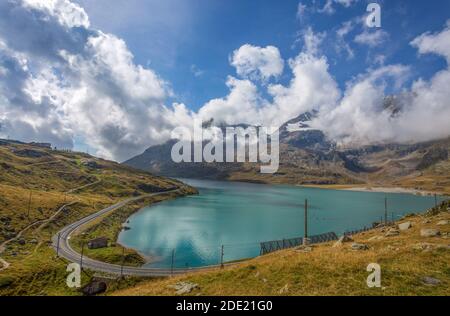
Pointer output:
x,y
357,246
429,232
304,249
423,246
94,288
443,222
342,240
375,238
392,232
430,281
184,287
284,289
405,225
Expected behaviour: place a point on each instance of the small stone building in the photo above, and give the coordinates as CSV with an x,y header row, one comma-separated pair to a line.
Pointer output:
x,y
101,242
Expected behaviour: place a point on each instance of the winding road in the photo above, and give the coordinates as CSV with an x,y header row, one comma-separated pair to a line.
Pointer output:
x,y
61,244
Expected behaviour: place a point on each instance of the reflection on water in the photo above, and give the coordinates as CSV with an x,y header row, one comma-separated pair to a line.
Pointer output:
x,y
240,215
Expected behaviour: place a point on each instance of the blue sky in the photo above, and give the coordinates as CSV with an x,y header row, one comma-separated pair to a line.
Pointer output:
x,y
119,76
190,42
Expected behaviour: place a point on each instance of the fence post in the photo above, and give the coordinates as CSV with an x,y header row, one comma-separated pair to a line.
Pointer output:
x,y
385,211
173,258
306,218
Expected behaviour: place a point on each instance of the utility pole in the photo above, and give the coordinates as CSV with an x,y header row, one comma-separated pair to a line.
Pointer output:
x,y
82,252
221,258
29,204
173,259
305,239
435,200
385,211
57,245
123,262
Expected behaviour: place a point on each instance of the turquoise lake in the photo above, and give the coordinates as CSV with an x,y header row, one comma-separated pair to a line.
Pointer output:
x,y
240,215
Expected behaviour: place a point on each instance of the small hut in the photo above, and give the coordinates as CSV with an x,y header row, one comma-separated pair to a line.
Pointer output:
x,y
101,242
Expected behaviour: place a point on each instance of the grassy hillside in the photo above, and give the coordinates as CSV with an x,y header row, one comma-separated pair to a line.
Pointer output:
x,y
53,179
407,261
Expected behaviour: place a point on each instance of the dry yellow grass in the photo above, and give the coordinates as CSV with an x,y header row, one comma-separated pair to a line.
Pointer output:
x,y
330,271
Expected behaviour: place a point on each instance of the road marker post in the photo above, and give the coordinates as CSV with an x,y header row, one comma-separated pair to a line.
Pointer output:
x,y
82,252
305,238
123,262
173,258
221,258
57,245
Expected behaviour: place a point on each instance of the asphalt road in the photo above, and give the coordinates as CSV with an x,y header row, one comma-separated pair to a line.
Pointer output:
x,y
65,250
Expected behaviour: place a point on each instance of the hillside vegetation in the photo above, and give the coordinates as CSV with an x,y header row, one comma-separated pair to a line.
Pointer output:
x,y
35,182
411,264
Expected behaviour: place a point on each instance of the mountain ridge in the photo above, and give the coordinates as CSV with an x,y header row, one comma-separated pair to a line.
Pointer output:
x,y
308,157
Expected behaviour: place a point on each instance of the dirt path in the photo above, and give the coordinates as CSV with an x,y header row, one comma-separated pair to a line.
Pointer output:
x,y
43,223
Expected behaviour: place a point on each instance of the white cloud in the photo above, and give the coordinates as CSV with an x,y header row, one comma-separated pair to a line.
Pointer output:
x,y
196,71
360,116
329,8
434,43
312,41
371,38
301,10
257,62
67,13
58,81
64,79
311,87
341,43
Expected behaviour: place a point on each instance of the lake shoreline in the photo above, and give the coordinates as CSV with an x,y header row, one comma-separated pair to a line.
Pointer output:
x,y
375,189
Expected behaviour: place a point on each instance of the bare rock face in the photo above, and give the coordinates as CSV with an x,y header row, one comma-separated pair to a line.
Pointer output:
x,y
430,281
423,246
429,232
304,248
358,247
405,226
184,287
392,232
375,238
342,240
284,289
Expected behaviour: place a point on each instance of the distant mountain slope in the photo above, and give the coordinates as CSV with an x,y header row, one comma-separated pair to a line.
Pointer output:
x,y
308,157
